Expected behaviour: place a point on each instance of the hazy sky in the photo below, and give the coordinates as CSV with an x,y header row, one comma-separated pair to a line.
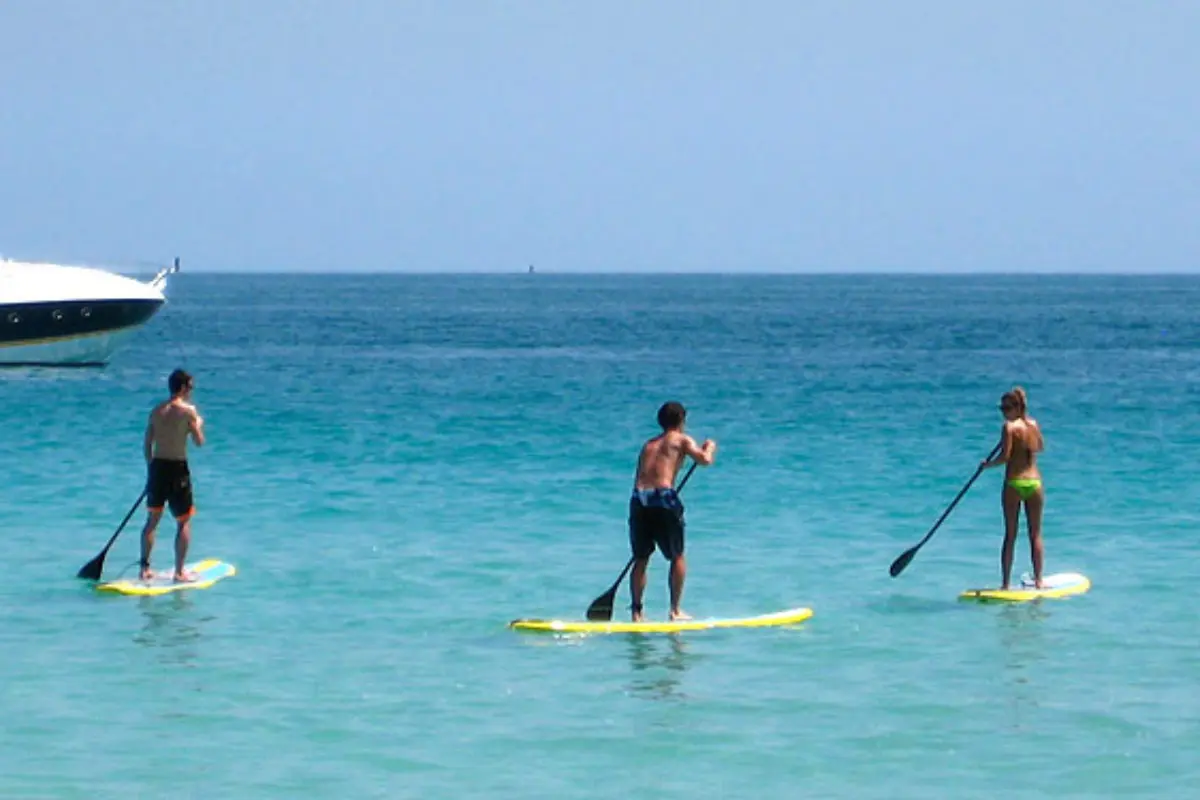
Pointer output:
x,y
651,135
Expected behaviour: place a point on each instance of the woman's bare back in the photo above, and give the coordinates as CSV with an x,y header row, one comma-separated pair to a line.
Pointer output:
x,y
1025,441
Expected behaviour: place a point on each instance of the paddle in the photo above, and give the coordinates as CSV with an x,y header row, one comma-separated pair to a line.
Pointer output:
x,y
601,608
91,570
900,563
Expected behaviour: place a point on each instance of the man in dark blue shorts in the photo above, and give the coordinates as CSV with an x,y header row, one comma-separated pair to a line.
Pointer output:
x,y
168,479
656,515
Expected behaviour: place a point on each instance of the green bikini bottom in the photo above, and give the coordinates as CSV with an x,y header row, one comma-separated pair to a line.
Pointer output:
x,y
1026,487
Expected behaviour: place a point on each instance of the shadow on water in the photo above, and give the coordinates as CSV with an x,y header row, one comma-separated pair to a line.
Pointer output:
x,y
911,604
659,666
172,628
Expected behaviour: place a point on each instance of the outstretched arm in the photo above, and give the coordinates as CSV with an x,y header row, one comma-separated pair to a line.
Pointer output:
x,y
704,454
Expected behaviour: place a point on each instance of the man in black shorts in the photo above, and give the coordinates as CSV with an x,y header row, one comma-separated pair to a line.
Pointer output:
x,y
655,511
168,480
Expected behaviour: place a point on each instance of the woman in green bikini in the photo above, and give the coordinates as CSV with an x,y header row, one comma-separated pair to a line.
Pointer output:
x,y
1020,441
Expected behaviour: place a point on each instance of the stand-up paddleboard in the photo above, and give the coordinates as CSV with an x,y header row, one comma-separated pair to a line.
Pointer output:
x,y
789,617
1063,584
207,573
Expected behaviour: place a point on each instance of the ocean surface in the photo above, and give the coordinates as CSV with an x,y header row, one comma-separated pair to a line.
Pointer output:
x,y
400,465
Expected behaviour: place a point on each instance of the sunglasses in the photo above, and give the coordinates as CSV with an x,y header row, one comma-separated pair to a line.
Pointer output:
x,y
1006,407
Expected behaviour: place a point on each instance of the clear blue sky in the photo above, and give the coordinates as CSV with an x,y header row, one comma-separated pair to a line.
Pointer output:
x,y
660,136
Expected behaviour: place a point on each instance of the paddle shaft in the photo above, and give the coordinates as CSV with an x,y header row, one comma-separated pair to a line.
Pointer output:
x,y
953,503
900,563
125,521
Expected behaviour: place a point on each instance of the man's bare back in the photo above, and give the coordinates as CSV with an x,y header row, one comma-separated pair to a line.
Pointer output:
x,y
662,456
170,424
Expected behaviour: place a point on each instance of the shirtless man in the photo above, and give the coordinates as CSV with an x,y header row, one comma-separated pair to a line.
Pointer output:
x,y
1020,442
168,479
655,511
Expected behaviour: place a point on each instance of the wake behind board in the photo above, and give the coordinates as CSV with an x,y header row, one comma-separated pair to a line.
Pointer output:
x,y
1063,584
789,617
207,573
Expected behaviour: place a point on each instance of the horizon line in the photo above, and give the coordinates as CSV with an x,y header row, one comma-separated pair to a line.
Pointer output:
x,y
695,273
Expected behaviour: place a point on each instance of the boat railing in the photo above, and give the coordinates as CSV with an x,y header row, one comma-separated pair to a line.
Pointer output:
x,y
160,280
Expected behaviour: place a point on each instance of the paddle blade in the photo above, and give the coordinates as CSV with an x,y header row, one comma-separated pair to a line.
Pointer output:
x,y
91,571
903,561
601,609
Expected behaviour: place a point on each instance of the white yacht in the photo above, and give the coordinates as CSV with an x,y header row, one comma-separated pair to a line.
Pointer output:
x,y
56,315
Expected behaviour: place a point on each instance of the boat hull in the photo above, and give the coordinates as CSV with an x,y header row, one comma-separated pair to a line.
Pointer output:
x,y
69,333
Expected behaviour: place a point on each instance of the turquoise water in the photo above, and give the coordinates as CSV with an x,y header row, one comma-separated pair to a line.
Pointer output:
x,y
399,466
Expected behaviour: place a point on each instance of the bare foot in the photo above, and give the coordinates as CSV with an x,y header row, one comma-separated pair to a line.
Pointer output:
x,y
146,574
637,615
679,615
1032,583
184,577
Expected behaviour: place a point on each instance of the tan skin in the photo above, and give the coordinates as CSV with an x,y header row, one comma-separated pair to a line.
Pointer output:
x,y
1020,442
658,467
170,425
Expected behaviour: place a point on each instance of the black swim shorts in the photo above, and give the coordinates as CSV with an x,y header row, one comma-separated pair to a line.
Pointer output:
x,y
656,518
170,482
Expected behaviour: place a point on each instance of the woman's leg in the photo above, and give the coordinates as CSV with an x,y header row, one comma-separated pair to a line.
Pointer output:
x,y
1012,514
1033,518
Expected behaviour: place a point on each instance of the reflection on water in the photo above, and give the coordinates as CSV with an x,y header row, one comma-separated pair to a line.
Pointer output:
x,y
1022,640
80,373
659,665
172,627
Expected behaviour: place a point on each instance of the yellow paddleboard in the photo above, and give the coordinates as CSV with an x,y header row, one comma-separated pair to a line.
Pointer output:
x,y
1064,584
789,617
207,573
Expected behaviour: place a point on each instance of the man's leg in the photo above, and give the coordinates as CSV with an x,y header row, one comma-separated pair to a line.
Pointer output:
x,y
672,546
152,519
183,539
637,586
184,508
677,577
641,545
